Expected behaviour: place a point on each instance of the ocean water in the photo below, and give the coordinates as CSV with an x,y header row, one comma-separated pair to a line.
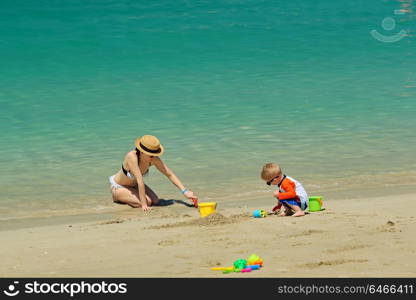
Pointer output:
x,y
226,85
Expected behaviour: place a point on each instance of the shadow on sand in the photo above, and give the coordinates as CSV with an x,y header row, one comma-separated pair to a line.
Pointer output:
x,y
168,202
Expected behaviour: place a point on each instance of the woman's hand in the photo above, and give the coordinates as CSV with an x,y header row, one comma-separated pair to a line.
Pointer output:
x,y
190,195
146,208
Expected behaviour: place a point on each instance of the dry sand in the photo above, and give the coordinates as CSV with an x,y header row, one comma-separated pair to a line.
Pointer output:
x,y
372,237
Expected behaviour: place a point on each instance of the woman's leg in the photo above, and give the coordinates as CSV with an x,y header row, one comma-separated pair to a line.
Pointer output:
x,y
151,197
126,195
130,196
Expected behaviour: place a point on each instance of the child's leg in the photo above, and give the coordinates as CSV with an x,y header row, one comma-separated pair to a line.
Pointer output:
x,y
292,207
286,210
298,212
283,211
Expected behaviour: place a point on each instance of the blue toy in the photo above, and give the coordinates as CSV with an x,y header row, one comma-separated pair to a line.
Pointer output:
x,y
259,213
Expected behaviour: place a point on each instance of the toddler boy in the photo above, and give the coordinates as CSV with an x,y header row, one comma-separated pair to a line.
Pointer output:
x,y
291,196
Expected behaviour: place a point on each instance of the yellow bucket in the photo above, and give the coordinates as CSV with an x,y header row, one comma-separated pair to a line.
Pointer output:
x,y
206,208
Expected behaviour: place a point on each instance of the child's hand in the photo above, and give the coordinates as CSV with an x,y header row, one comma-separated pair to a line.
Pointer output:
x,y
277,208
276,194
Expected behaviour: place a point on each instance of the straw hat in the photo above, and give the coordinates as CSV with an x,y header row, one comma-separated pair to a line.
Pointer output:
x,y
149,145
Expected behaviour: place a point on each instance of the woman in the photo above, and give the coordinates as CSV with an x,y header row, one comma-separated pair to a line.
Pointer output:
x,y
127,185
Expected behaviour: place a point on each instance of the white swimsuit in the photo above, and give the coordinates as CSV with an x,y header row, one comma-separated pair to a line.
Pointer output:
x,y
115,185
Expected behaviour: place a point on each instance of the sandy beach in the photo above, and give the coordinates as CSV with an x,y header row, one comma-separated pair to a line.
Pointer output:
x,y
351,238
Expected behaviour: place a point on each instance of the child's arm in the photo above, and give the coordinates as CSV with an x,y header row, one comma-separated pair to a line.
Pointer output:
x,y
290,190
276,194
277,207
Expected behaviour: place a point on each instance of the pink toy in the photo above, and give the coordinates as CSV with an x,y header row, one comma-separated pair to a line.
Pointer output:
x,y
246,270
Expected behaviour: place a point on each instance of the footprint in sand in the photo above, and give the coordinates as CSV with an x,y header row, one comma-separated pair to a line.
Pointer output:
x,y
212,263
312,231
297,244
305,233
346,248
165,243
333,263
113,221
212,220
390,226
181,256
220,240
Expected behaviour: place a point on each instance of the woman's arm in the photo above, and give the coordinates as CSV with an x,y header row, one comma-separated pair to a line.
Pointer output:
x,y
133,165
164,169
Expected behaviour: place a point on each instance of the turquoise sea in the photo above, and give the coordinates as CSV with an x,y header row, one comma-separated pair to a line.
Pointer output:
x,y
226,85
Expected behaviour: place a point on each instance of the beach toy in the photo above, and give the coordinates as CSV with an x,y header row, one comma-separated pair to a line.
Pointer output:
x,y
259,213
254,262
223,269
246,270
195,201
252,258
258,262
207,208
219,269
240,264
315,203
254,267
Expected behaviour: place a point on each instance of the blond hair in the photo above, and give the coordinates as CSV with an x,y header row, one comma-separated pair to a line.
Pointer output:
x,y
270,170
